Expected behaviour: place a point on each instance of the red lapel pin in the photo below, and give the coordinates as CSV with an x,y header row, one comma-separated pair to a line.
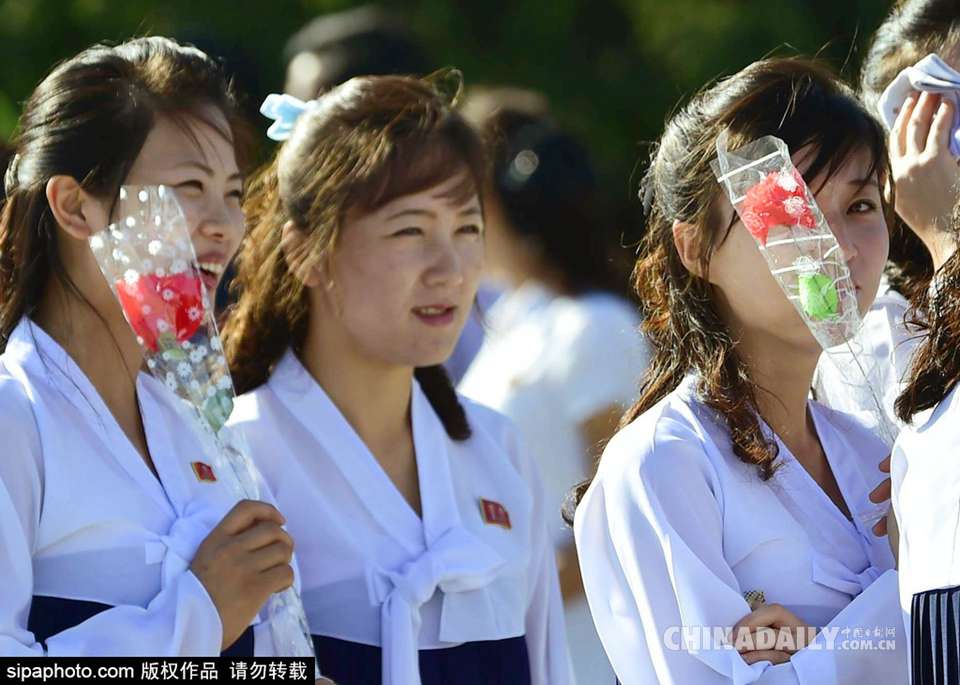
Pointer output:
x,y
494,513
203,472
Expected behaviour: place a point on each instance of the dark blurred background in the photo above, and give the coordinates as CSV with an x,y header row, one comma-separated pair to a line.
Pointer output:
x,y
611,69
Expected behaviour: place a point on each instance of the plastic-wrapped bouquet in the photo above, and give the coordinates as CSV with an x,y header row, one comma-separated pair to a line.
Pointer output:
x,y
148,259
778,209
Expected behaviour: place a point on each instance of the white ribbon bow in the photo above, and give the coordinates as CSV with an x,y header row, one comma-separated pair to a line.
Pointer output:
x,y
456,562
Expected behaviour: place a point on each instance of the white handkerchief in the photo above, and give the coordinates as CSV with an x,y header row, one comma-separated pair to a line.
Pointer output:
x,y
933,75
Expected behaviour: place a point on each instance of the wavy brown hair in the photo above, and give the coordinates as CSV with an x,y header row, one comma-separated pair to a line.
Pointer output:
x,y
364,143
912,30
89,119
802,102
935,368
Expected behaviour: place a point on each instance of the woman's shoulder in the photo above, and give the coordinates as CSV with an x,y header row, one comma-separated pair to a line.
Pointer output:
x,y
18,423
665,443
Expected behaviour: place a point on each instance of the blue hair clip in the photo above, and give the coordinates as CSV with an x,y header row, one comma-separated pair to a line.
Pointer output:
x,y
284,110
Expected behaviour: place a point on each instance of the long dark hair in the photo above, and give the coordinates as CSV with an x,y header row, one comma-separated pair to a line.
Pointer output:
x,y
366,142
913,29
798,100
935,368
89,119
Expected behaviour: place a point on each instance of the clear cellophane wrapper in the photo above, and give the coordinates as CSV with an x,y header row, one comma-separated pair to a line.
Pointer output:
x,y
148,259
777,208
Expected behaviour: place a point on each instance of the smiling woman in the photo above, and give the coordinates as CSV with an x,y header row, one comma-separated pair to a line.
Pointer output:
x,y
112,544
419,522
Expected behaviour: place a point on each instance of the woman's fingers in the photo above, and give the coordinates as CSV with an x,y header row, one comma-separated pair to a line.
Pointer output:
x,y
772,655
938,141
882,492
880,527
898,134
918,128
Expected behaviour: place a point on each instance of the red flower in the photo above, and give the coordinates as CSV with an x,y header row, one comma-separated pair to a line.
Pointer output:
x,y
159,307
777,200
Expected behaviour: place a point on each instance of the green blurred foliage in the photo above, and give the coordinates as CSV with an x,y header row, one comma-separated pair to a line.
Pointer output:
x,y
613,69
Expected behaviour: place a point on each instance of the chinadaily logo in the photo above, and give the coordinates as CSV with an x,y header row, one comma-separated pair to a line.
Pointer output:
x,y
830,638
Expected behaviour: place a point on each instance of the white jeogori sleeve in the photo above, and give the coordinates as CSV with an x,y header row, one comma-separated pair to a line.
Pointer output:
x,y
180,621
650,540
546,635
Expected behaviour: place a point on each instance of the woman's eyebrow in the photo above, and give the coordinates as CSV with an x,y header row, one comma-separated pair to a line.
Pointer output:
x,y
236,176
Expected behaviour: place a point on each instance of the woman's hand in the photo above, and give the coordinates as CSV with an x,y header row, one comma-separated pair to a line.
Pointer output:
x,y
881,494
770,633
924,172
243,561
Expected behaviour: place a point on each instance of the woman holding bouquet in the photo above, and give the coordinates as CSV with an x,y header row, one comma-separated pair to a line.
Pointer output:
x,y
419,520
115,536
727,499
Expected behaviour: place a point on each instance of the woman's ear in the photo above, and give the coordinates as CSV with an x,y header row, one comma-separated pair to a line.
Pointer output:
x,y
687,242
72,207
301,260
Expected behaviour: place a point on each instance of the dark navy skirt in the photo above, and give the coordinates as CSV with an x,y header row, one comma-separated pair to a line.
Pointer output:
x,y
496,662
935,648
52,615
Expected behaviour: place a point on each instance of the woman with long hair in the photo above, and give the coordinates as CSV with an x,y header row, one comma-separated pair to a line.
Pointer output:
x,y
109,544
729,502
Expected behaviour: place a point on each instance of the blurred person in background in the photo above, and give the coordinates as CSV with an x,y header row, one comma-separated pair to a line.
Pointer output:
x,y
562,351
363,41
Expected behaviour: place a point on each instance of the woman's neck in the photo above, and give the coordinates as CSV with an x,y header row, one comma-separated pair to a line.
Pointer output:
x,y
782,380
374,398
96,336
941,245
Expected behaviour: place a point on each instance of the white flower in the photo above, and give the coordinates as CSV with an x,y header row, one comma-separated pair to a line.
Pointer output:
x,y
171,381
196,356
160,272
211,391
131,276
147,309
186,344
215,344
154,247
183,369
123,193
150,362
143,196
178,267
147,264
195,385
156,220
787,182
162,326
222,361
131,222
96,242
167,294
795,206
194,313
224,382
167,356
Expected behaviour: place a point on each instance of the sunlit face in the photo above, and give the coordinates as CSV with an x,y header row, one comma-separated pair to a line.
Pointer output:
x,y
403,277
750,296
201,167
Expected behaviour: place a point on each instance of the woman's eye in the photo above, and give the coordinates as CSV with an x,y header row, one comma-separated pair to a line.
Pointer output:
x,y
863,206
470,229
236,194
196,186
409,230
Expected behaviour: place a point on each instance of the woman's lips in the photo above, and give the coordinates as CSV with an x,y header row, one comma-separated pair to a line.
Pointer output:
x,y
435,315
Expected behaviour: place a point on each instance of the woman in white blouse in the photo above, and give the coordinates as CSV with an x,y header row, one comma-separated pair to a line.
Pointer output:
x,y
728,500
110,543
419,521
